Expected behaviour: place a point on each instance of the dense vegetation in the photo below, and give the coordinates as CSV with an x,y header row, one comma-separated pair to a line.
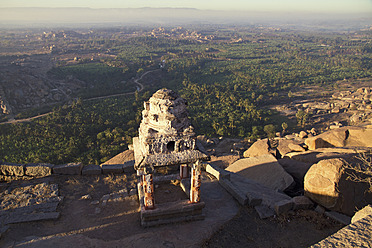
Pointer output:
x,y
227,82
84,132
101,78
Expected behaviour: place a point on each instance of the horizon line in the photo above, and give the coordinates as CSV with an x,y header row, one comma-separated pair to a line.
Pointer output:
x,y
197,9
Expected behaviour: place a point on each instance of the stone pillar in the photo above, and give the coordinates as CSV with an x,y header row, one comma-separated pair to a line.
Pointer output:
x,y
148,190
184,171
195,182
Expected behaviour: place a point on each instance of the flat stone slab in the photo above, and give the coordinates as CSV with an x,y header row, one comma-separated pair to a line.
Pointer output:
x,y
238,194
38,170
12,219
42,207
10,169
255,192
343,219
172,212
263,169
217,172
283,206
246,191
358,234
92,169
68,169
264,211
112,168
302,202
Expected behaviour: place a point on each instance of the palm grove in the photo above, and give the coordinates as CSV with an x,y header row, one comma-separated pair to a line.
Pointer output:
x,y
227,85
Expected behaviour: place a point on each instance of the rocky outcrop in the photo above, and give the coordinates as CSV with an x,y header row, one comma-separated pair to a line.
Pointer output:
x,y
334,138
289,145
342,137
327,184
258,148
263,169
314,156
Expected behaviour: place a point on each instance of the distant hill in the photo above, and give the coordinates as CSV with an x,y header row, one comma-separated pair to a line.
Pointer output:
x,y
172,16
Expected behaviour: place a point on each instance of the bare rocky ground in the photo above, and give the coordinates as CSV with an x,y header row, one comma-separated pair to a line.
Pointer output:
x,y
86,220
347,103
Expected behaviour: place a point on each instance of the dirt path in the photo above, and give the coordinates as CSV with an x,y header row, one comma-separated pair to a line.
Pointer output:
x,y
140,88
13,121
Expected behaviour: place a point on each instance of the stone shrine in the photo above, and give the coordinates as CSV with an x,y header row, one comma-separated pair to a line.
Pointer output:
x,y
166,138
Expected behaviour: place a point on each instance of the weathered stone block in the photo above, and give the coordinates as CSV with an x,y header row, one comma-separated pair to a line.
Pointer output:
x,y
92,169
254,199
112,168
257,168
10,169
217,172
302,202
283,206
343,219
234,191
128,167
38,170
256,193
68,169
264,211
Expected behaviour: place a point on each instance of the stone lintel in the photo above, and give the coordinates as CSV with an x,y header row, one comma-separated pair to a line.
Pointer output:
x,y
185,157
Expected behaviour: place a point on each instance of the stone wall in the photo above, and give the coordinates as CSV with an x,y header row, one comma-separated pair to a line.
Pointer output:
x,y
42,170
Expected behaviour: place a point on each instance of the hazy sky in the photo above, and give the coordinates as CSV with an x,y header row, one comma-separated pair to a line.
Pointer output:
x,y
347,6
